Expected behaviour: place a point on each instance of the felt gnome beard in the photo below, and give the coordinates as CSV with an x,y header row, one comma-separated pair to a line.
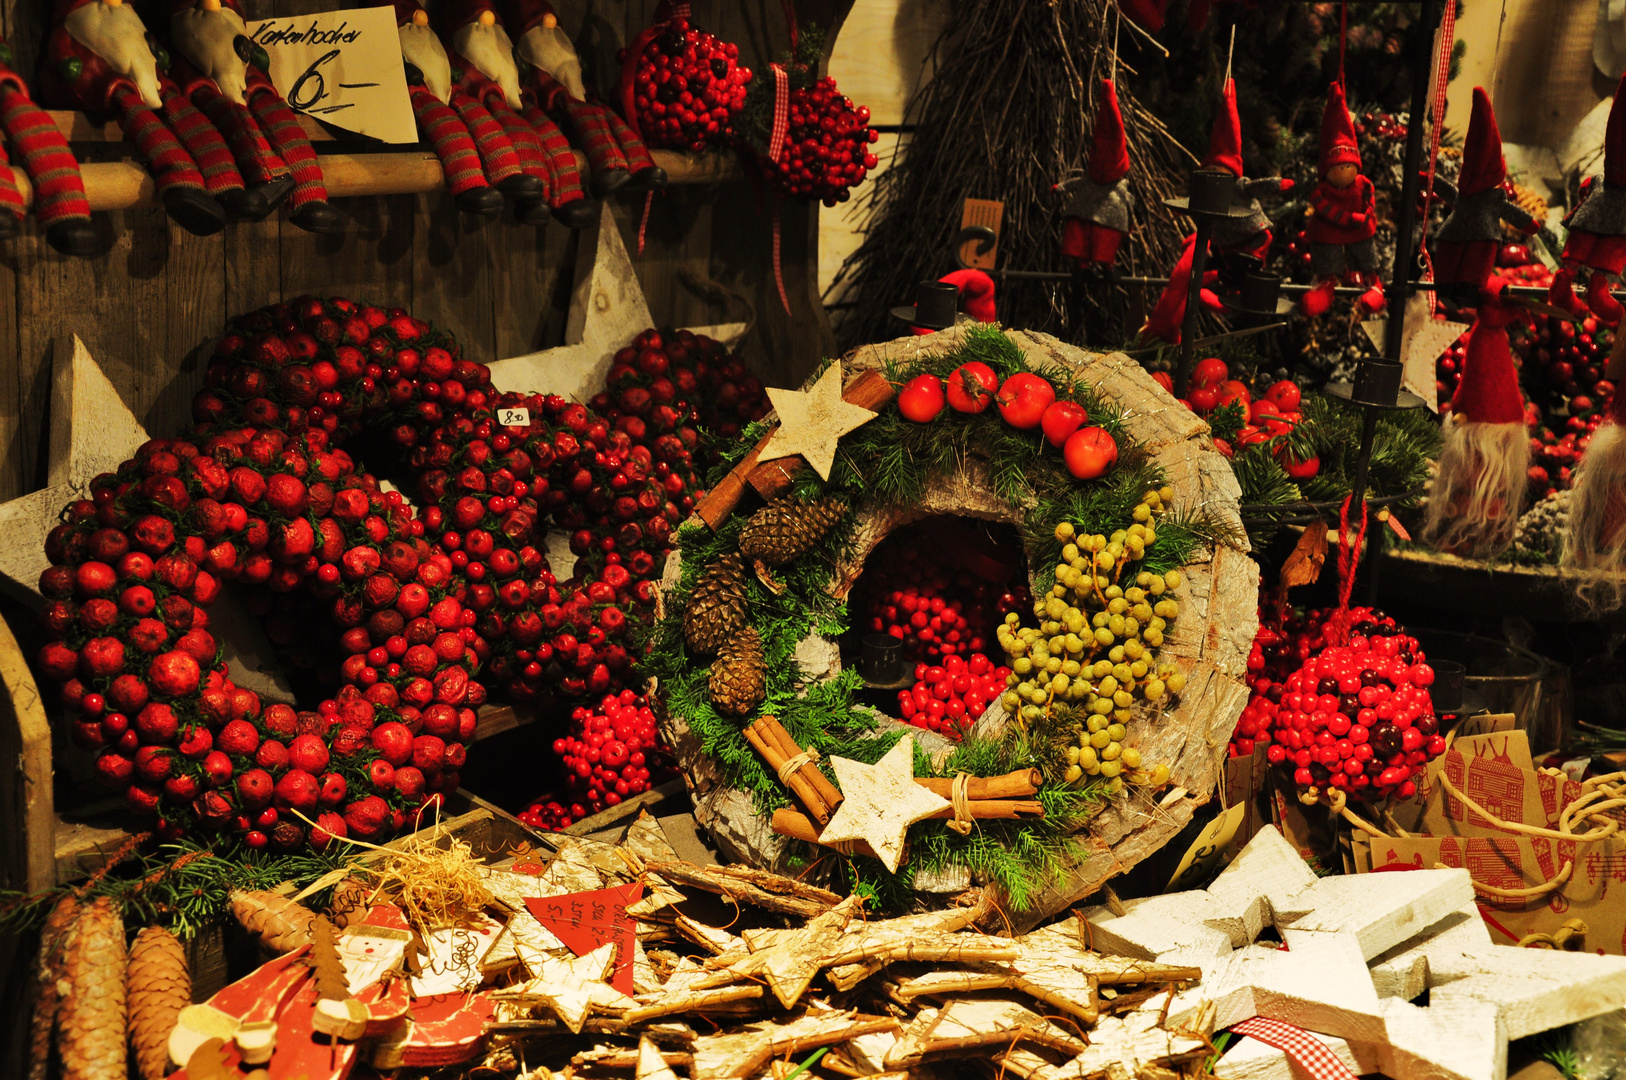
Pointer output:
x,y
116,33
1595,536
1480,480
207,36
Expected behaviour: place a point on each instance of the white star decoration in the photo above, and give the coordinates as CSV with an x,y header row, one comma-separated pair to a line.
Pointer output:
x,y
811,422
1421,343
572,987
607,310
879,802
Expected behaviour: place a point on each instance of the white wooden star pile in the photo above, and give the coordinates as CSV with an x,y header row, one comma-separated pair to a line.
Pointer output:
x,y
1358,949
607,310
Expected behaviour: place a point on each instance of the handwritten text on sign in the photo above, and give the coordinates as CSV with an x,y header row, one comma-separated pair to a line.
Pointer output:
x,y
342,67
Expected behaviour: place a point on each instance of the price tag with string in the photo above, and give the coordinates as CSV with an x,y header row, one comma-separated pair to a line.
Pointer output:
x,y
516,417
585,921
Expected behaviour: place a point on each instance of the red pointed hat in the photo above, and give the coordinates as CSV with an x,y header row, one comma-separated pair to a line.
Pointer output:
x,y
1614,139
1225,144
407,10
1338,145
976,293
459,13
1483,167
1109,150
1170,313
1488,392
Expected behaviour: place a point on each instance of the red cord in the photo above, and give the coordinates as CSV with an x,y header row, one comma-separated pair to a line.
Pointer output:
x,y
1349,558
643,225
790,21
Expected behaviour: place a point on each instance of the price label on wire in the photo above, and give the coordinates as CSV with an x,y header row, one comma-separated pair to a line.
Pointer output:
x,y
514,417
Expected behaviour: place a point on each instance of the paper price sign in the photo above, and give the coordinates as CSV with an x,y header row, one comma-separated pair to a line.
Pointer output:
x,y
514,417
342,67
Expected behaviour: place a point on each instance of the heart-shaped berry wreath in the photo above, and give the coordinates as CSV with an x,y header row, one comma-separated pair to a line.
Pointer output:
x,y
262,493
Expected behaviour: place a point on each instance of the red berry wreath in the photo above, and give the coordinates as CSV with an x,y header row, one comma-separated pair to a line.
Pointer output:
x,y
419,599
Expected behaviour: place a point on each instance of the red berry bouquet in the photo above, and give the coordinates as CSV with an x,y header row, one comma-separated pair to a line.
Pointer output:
x,y
681,88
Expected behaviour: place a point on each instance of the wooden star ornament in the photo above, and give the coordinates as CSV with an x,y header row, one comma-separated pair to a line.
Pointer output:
x,y
572,987
880,802
1422,341
811,422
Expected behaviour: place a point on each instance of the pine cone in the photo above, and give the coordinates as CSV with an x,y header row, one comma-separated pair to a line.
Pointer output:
x,y
716,608
786,529
1531,202
281,924
737,682
349,902
158,986
91,1019
48,971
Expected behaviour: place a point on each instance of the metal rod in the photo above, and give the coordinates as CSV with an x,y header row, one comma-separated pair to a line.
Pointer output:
x,y
1406,220
1194,300
1369,431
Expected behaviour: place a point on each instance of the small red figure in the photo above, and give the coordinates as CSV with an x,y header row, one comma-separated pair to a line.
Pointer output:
x,y
59,192
1343,220
1250,235
1597,240
1096,214
1465,247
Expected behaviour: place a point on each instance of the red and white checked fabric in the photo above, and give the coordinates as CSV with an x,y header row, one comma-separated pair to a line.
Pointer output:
x,y
781,111
1308,1052
1437,102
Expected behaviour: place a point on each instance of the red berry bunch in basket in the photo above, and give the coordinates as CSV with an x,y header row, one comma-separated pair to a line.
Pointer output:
x,y
950,698
937,612
682,87
612,753
668,382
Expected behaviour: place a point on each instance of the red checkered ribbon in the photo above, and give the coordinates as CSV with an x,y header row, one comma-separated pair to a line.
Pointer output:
x,y
680,10
1308,1052
1438,79
781,111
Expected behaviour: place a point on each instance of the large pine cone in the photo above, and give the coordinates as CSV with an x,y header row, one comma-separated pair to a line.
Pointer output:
x,y
786,529
48,972
737,681
158,986
716,609
91,1018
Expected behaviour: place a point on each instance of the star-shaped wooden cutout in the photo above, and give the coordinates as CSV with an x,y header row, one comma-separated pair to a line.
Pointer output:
x,y
572,987
879,802
651,1065
607,310
787,959
1421,343
812,421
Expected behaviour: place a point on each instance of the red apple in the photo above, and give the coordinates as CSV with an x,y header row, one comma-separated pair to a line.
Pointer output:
x,y
1294,467
1090,452
1061,420
1262,408
971,387
1023,398
1203,398
1164,379
1285,394
1233,390
921,398
1210,372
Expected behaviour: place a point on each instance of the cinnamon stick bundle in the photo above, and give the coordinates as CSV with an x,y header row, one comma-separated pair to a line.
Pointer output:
x,y
1014,785
770,739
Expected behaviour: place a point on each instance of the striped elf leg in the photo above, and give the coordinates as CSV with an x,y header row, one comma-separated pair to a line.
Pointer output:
x,y
171,165
259,163
283,132
521,134
496,151
638,158
202,141
59,193
565,175
455,148
11,200
597,141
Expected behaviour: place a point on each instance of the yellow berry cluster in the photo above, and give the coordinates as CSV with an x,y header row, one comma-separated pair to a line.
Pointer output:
x,y
1095,645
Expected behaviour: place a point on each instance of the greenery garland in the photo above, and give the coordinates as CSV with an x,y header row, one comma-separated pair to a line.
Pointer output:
x,y
888,462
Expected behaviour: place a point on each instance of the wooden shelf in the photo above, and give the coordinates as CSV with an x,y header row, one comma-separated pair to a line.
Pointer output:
x,y
350,167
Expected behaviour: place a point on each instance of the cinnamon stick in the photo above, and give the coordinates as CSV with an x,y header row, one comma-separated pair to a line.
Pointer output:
x,y
798,827
1014,785
721,500
828,793
798,781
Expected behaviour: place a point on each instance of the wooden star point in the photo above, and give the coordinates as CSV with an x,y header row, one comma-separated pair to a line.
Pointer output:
x,y
812,422
880,802
572,987
1422,342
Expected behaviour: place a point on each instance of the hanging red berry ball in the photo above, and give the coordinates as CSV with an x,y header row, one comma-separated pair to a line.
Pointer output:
x,y
683,87
825,150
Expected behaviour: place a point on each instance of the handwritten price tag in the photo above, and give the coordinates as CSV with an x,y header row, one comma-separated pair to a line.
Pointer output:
x,y
342,67
586,920
514,417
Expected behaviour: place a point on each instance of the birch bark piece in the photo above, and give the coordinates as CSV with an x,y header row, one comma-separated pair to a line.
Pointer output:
x,y
1209,642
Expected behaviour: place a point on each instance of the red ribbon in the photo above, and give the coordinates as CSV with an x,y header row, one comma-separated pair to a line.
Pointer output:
x,y
1442,74
1349,558
778,270
781,111
643,226
1308,1052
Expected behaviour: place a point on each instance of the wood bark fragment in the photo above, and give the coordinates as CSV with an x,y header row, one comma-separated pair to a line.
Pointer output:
x,y
770,891
696,1001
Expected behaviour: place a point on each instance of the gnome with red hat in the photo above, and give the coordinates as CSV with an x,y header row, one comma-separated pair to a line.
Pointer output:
x,y
976,296
1595,537
211,64
483,56
97,59
1480,480
1465,247
616,156
1248,234
1597,241
59,192
1343,214
1095,216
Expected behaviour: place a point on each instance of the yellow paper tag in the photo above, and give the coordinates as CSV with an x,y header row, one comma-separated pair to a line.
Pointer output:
x,y
1206,850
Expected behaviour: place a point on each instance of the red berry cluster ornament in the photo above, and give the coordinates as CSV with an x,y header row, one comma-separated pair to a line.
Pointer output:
x,y
613,753
950,698
685,86
668,382
826,148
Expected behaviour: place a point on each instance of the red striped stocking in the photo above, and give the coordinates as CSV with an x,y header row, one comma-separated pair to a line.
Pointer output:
x,y
201,140
566,177
283,132
450,139
496,152
260,164
638,158
59,193
10,198
171,165
526,145
593,134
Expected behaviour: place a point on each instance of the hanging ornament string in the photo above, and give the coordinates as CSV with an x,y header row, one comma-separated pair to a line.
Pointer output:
x,y
776,144
1438,78
1343,36
790,21
643,224
1349,558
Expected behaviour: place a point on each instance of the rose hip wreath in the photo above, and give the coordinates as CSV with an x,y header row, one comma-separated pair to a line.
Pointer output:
x,y
681,86
261,493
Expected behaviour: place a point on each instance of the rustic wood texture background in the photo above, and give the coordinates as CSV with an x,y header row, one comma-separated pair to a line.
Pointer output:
x,y
149,308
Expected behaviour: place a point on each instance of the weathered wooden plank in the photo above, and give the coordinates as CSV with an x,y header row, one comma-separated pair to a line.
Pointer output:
x,y
452,273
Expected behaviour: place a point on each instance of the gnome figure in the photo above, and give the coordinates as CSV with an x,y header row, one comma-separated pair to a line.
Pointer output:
x,y
553,85
1478,488
97,59
1595,537
1342,221
483,54
976,296
1095,216
212,66
59,193
1465,247
1596,247
1250,235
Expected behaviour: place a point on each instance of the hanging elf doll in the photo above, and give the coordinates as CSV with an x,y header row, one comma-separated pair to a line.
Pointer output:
x,y
97,59
1465,247
1596,246
276,159
1095,216
616,156
59,193
483,60
1478,487
1343,215
1595,539
1250,235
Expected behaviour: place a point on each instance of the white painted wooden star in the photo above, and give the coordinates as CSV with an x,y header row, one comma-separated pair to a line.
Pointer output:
x,y
571,986
879,802
607,310
812,421
1421,343
651,1065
